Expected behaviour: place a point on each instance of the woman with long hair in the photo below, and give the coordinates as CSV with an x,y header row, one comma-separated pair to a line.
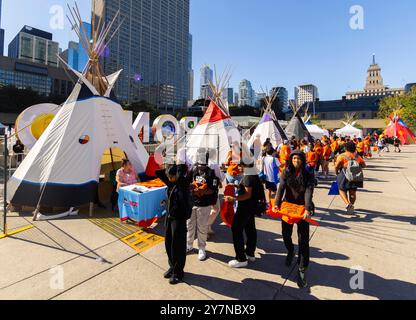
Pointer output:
x,y
296,187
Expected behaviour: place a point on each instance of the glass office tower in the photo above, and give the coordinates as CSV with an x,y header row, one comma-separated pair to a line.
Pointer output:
x,y
152,49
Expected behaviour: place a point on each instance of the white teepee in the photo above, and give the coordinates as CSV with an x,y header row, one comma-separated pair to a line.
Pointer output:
x,y
349,130
268,127
63,167
216,130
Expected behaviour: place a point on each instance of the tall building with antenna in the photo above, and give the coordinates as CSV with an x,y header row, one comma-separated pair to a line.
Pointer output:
x,y
374,85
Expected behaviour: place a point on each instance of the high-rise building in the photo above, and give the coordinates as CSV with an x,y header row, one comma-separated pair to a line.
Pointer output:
x,y
151,47
246,94
206,92
228,95
259,97
236,99
190,70
306,93
1,33
45,80
76,56
374,86
34,45
207,76
282,97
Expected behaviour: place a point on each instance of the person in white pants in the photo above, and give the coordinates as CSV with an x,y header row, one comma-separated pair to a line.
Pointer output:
x,y
205,191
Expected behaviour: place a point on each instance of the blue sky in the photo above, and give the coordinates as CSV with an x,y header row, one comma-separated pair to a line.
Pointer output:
x,y
278,42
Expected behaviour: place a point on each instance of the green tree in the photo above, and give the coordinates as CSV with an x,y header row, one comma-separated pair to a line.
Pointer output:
x,y
142,106
315,120
388,105
407,103
409,109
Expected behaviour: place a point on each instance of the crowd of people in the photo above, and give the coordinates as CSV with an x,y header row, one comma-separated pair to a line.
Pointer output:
x,y
289,174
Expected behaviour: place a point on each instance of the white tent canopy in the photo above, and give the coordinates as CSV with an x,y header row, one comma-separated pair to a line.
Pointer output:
x,y
316,131
349,130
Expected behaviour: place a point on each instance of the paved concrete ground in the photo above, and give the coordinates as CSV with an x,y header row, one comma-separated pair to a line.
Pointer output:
x,y
381,240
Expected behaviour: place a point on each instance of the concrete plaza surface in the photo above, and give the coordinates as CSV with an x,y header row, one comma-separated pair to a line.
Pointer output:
x,y
75,259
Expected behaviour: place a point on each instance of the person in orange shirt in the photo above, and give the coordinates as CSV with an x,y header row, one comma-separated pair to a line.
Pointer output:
x,y
334,148
284,155
326,156
319,150
233,175
311,160
347,189
360,147
367,147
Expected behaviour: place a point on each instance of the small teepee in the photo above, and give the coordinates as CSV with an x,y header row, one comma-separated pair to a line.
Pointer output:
x,y
268,127
216,130
62,169
296,127
349,130
398,128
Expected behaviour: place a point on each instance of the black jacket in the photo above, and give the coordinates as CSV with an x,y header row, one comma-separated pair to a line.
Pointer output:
x,y
179,204
296,190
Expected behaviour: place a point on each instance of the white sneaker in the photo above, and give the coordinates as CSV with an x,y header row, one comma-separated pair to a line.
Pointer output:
x,y
251,259
202,256
237,264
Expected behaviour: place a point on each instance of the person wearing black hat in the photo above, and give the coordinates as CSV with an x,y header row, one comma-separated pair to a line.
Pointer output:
x,y
296,187
179,209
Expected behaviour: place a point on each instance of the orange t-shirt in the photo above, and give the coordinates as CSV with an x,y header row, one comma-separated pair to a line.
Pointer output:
x,y
285,154
326,152
311,158
233,170
344,158
319,150
360,147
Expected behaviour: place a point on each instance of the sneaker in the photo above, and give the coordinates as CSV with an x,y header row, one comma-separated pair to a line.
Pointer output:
x,y
302,283
289,259
350,209
190,250
168,274
237,264
202,256
251,259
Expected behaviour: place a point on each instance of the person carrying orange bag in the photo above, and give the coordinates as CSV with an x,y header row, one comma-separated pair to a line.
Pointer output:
x,y
296,187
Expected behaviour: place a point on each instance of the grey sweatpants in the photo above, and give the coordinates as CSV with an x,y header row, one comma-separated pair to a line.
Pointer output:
x,y
198,223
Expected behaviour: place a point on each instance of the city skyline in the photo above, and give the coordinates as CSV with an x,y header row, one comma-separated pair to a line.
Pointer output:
x,y
343,54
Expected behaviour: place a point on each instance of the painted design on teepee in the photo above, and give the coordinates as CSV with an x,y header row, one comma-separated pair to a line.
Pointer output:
x,y
84,139
216,130
398,128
